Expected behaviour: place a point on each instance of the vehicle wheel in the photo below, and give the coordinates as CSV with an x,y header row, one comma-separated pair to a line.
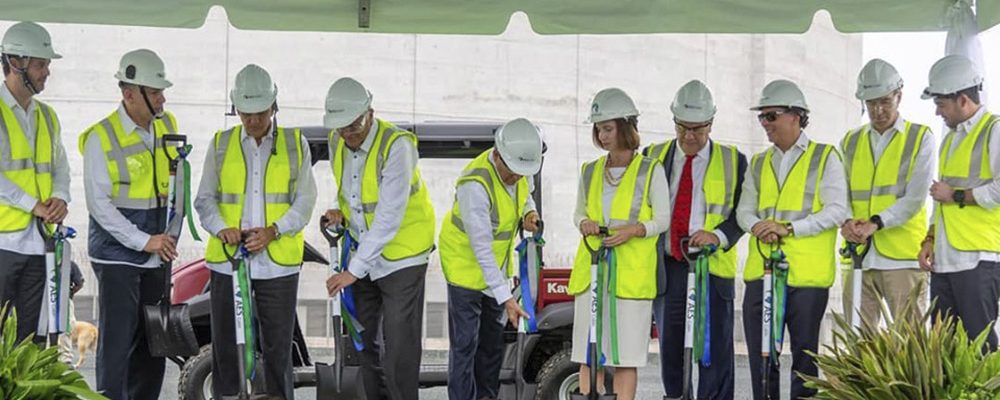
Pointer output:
x,y
560,377
195,382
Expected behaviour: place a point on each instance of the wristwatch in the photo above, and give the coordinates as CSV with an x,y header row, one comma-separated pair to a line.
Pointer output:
x,y
877,220
791,230
959,196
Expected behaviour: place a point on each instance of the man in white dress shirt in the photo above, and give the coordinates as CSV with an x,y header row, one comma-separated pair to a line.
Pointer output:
x,y
962,247
34,177
256,187
888,163
387,210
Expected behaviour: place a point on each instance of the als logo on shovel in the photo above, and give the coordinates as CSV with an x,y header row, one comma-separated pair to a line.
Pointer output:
x,y
690,305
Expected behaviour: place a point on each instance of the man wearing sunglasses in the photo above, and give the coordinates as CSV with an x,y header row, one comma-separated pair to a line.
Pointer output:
x,y
706,215
386,208
794,197
962,246
888,163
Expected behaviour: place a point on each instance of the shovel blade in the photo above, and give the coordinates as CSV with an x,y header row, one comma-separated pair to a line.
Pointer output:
x,y
169,331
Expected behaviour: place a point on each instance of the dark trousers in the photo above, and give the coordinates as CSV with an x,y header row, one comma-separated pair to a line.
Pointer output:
x,y
475,336
803,316
274,304
22,280
125,369
391,309
716,380
971,296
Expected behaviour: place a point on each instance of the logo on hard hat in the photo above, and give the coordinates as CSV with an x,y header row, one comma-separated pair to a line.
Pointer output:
x,y
870,86
252,96
692,107
595,109
335,110
160,75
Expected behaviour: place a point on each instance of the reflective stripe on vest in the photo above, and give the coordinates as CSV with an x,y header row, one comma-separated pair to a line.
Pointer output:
x,y
812,259
416,233
458,260
280,185
27,165
719,190
969,228
636,258
874,187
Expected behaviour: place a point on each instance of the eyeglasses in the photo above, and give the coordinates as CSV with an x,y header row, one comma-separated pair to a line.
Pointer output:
x,y
771,116
681,128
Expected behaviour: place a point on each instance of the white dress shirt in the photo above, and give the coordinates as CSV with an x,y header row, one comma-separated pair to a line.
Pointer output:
x,y
832,191
474,207
97,185
394,194
699,165
292,222
914,195
29,241
947,258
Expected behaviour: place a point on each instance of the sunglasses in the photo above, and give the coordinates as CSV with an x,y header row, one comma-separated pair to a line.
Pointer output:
x,y
771,116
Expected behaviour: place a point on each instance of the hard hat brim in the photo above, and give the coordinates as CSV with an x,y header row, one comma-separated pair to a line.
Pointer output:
x,y
340,119
254,106
524,168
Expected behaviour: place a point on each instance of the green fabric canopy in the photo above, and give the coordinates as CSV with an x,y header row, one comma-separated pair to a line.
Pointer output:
x,y
491,16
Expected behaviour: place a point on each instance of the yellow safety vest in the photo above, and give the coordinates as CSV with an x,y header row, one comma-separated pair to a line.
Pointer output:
x,y
280,186
969,228
812,259
416,233
719,190
457,257
636,274
874,187
27,165
133,169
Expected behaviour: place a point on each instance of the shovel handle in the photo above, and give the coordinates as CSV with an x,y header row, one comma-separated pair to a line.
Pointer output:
x,y
602,232
332,233
852,250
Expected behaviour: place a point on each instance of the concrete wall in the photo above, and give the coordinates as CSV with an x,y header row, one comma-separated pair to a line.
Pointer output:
x,y
548,79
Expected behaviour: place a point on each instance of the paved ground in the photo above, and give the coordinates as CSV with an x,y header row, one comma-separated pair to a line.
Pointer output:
x,y
649,381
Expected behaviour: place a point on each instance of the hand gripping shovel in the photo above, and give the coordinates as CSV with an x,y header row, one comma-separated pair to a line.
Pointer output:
x,y
168,326
697,305
243,318
857,252
328,377
54,316
594,355
772,310
529,264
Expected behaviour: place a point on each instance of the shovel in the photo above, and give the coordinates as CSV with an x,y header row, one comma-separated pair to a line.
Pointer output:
x,y
54,318
243,318
593,347
329,376
772,262
692,256
528,278
168,326
857,252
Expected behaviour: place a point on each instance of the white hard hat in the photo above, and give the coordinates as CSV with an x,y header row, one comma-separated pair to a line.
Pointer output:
x,y
951,74
781,93
28,39
877,79
346,100
144,68
611,103
520,145
253,91
693,103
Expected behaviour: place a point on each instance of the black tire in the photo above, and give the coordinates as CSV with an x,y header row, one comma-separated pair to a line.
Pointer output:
x,y
197,370
558,373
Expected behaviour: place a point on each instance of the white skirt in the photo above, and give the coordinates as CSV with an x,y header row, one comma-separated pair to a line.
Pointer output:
x,y
634,324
